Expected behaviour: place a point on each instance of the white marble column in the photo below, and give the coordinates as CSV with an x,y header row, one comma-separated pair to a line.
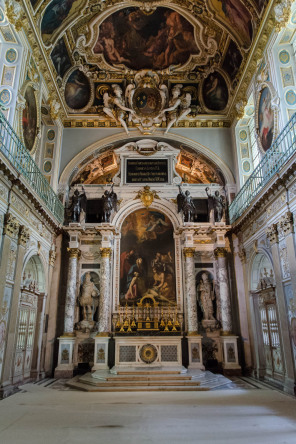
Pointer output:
x,y
105,299
190,292
226,321
71,292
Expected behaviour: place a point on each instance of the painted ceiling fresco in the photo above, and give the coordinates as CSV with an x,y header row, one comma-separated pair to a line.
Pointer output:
x,y
202,45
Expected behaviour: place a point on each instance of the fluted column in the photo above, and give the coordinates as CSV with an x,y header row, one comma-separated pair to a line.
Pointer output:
x,y
190,291
104,301
226,320
71,291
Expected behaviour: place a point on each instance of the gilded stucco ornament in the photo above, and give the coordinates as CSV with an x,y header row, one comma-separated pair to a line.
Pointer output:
x,y
147,196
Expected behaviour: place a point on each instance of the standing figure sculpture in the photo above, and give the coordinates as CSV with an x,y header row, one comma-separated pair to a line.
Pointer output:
x,y
109,204
114,106
206,297
78,203
216,204
179,106
89,298
186,205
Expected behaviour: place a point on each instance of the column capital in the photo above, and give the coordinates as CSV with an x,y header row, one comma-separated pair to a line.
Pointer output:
x,y
11,225
272,234
220,252
106,252
188,252
286,223
73,252
24,235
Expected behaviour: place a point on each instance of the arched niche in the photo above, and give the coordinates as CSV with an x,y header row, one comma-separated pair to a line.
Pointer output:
x,y
34,274
147,257
261,267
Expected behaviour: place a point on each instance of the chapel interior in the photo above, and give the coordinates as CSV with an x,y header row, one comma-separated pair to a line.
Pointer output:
x,y
147,193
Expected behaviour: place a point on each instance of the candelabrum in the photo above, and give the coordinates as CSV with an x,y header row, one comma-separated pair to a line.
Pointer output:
x,y
146,317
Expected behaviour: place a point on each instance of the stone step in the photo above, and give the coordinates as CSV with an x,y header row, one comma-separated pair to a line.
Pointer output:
x,y
90,388
149,372
147,383
149,378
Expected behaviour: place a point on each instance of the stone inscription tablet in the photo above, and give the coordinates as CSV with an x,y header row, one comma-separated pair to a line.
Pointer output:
x,y
147,170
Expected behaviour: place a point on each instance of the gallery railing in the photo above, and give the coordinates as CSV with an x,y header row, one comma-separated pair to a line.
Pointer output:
x,y
14,150
278,154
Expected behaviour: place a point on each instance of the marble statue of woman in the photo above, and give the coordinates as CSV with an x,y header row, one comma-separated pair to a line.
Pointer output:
x,y
206,297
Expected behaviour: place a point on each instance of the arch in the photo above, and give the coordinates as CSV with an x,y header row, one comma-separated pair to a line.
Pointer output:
x,y
102,144
35,266
258,263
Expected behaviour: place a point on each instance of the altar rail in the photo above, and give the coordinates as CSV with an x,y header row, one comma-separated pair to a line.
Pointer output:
x,y
278,154
18,155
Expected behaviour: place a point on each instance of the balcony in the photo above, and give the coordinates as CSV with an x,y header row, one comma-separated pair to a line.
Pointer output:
x,y
280,152
19,157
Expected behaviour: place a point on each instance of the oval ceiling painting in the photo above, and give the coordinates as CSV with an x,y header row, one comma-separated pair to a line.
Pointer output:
x,y
265,119
29,118
139,41
77,90
215,92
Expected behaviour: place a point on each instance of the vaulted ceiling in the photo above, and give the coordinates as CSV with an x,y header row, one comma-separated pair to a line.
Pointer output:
x,y
205,45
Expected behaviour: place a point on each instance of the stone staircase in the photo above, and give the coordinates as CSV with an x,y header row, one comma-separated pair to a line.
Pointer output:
x,y
136,380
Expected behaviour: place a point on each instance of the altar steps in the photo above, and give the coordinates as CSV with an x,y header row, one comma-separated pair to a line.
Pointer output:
x,y
135,381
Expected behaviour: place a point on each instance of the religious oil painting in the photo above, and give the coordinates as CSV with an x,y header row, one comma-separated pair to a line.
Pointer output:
x,y
234,15
29,118
60,58
265,119
215,92
152,41
77,90
232,60
147,259
56,14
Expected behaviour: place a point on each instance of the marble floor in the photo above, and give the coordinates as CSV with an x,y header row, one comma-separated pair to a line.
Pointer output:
x,y
239,412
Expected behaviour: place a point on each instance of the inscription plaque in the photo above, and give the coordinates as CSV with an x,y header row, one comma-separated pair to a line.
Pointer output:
x,y
147,170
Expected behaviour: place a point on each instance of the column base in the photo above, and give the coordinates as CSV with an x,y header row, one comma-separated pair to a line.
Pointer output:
x,y
65,359
101,353
230,363
195,352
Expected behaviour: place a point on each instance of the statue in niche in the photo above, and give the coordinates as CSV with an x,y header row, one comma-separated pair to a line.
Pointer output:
x,y
216,204
109,204
206,297
179,106
78,203
89,298
114,106
186,205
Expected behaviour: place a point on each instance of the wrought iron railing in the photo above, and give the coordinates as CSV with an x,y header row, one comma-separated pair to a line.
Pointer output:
x,y
14,150
278,154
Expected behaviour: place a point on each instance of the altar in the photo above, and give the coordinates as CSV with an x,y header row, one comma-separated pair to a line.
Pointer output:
x,y
147,279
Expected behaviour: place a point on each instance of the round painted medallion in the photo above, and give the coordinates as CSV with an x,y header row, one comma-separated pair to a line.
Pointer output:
x,y
290,97
246,166
50,134
47,166
284,57
243,135
77,90
11,55
5,97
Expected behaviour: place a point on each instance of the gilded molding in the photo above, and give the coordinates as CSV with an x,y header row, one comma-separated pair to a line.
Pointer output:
x,y
52,257
11,225
24,235
188,252
106,252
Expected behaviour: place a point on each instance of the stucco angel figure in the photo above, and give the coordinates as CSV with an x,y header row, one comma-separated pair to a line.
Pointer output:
x,y
114,106
216,204
179,106
206,297
89,298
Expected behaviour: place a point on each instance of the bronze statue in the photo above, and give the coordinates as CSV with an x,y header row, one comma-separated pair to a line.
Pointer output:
x,y
109,204
186,205
78,203
217,204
